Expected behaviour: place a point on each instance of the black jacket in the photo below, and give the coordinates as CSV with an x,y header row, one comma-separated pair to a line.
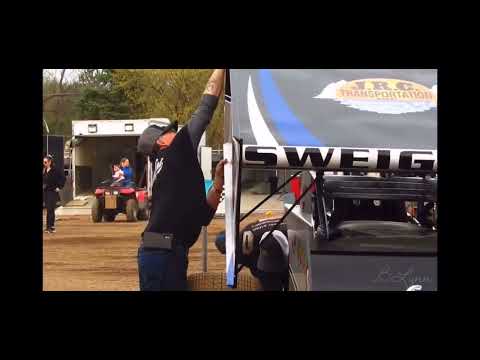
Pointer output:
x,y
53,179
179,204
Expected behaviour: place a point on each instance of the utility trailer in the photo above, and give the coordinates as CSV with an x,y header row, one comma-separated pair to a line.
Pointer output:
x,y
361,143
97,144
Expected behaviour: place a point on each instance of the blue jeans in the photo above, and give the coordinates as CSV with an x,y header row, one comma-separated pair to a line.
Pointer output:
x,y
163,270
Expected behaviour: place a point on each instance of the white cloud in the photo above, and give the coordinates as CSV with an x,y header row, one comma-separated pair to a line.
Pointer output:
x,y
70,74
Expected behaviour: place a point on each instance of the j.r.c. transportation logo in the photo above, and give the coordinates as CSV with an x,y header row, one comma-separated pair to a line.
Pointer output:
x,y
383,96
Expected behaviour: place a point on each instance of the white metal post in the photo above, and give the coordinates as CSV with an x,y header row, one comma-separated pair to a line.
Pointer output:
x,y
206,165
48,131
72,166
205,248
149,178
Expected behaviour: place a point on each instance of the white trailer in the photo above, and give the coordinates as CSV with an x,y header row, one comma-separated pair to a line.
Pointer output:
x,y
97,144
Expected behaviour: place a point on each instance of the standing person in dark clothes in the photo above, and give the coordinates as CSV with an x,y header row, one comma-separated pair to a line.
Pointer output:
x,y
53,181
179,205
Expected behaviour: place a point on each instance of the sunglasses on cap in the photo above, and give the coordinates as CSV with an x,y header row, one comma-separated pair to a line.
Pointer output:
x,y
48,158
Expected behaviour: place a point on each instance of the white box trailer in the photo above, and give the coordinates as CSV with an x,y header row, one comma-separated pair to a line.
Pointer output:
x,y
97,144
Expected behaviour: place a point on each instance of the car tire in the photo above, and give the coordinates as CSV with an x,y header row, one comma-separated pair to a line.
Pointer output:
x,y
109,216
218,282
131,210
97,211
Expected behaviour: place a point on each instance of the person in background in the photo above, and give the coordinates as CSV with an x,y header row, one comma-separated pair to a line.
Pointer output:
x,y
127,171
53,181
117,174
273,180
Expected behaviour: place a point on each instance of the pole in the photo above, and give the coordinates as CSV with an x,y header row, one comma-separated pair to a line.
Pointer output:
x,y
48,132
205,155
205,248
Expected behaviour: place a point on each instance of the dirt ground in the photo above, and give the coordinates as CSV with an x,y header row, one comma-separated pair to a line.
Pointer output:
x,y
83,256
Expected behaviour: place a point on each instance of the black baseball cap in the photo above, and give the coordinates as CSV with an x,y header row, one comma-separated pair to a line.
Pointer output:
x,y
150,135
273,252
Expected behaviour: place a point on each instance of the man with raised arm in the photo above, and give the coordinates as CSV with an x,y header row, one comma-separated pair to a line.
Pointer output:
x,y
179,205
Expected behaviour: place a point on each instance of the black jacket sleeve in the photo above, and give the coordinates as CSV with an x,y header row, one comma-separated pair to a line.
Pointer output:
x,y
201,118
55,178
60,177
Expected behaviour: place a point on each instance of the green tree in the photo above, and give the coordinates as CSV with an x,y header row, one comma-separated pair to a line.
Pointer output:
x,y
99,98
124,94
169,93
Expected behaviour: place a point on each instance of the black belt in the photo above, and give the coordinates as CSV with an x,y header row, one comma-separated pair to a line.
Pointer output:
x,y
153,240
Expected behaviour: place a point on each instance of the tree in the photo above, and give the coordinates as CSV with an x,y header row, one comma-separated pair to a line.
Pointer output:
x,y
100,99
169,93
58,101
124,94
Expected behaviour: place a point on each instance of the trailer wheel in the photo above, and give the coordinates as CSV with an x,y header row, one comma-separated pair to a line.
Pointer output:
x,y
97,211
142,214
131,210
218,282
109,216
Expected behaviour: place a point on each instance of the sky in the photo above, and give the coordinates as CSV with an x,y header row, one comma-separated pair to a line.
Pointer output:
x,y
70,74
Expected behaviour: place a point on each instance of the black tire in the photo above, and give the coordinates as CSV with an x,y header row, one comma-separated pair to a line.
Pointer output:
x,y
217,282
97,211
131,210
109,215
142,214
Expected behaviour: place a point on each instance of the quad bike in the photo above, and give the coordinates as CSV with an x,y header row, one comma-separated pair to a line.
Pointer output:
x,y
112,199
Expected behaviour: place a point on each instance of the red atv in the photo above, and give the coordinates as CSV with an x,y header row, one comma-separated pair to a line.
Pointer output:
x,y
111,200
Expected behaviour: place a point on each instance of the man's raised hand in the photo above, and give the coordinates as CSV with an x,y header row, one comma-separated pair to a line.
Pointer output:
x,y
215,83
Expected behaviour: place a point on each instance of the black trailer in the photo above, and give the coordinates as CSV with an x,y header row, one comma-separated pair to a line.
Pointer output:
x,y
364,142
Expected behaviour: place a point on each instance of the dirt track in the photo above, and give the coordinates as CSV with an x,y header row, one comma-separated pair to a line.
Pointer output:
x,y
82,255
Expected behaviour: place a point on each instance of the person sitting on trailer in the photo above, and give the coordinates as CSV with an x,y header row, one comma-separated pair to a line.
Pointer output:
x,y
265,256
